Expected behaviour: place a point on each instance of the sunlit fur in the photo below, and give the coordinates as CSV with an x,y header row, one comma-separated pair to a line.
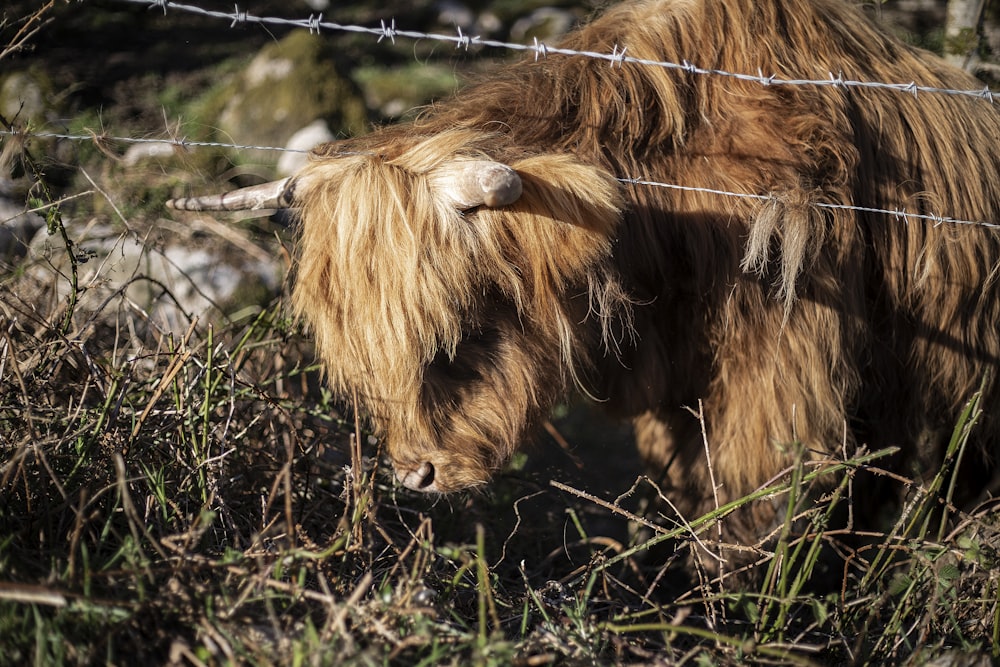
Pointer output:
x,y
787,321
458,331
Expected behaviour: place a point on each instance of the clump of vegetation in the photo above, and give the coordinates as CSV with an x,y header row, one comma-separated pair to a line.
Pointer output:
x,y
195,496
199,498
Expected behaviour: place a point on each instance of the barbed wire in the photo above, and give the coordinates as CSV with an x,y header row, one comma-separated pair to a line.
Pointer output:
x,y
618,56
179,143
899,214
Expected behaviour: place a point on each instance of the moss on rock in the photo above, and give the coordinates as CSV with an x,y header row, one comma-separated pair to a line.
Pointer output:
x,y
285,87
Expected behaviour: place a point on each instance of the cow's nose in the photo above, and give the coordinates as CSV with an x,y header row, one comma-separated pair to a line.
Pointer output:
x,y
418,479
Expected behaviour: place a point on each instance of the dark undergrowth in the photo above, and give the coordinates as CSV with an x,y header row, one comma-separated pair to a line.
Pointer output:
x,y
198,499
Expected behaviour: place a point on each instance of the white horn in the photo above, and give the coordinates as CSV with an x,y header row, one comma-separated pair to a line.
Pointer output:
x,y
472,183
276,194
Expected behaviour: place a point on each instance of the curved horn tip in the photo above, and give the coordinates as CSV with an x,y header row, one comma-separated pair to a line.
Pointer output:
x,y
186,204
467,184
501,186
274,194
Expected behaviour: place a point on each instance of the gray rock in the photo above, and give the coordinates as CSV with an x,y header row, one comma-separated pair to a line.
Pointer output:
x,y
313,134
203,277
286,86
17,228
544,24
26,97
451,13
143,152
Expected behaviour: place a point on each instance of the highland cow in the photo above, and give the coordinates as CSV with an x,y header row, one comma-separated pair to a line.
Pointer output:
x,y
462,271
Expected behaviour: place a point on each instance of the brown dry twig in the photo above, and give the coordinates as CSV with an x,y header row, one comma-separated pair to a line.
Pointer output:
x,y
30,26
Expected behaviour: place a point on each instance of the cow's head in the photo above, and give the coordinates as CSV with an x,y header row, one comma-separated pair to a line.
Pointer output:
x,y
449,291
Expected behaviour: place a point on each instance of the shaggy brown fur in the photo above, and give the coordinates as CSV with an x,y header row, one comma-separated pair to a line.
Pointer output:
x,y
787,321
457,330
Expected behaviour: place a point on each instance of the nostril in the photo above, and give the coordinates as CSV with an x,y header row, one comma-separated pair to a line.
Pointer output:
x,y
426,474
421,479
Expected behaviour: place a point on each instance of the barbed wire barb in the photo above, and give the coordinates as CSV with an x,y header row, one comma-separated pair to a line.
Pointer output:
x,y
618,57
314,24
465,41
540,49
239,18
388,31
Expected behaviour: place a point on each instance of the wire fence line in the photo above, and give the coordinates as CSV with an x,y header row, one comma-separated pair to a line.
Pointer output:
x,y
179,143
618,55
899,214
